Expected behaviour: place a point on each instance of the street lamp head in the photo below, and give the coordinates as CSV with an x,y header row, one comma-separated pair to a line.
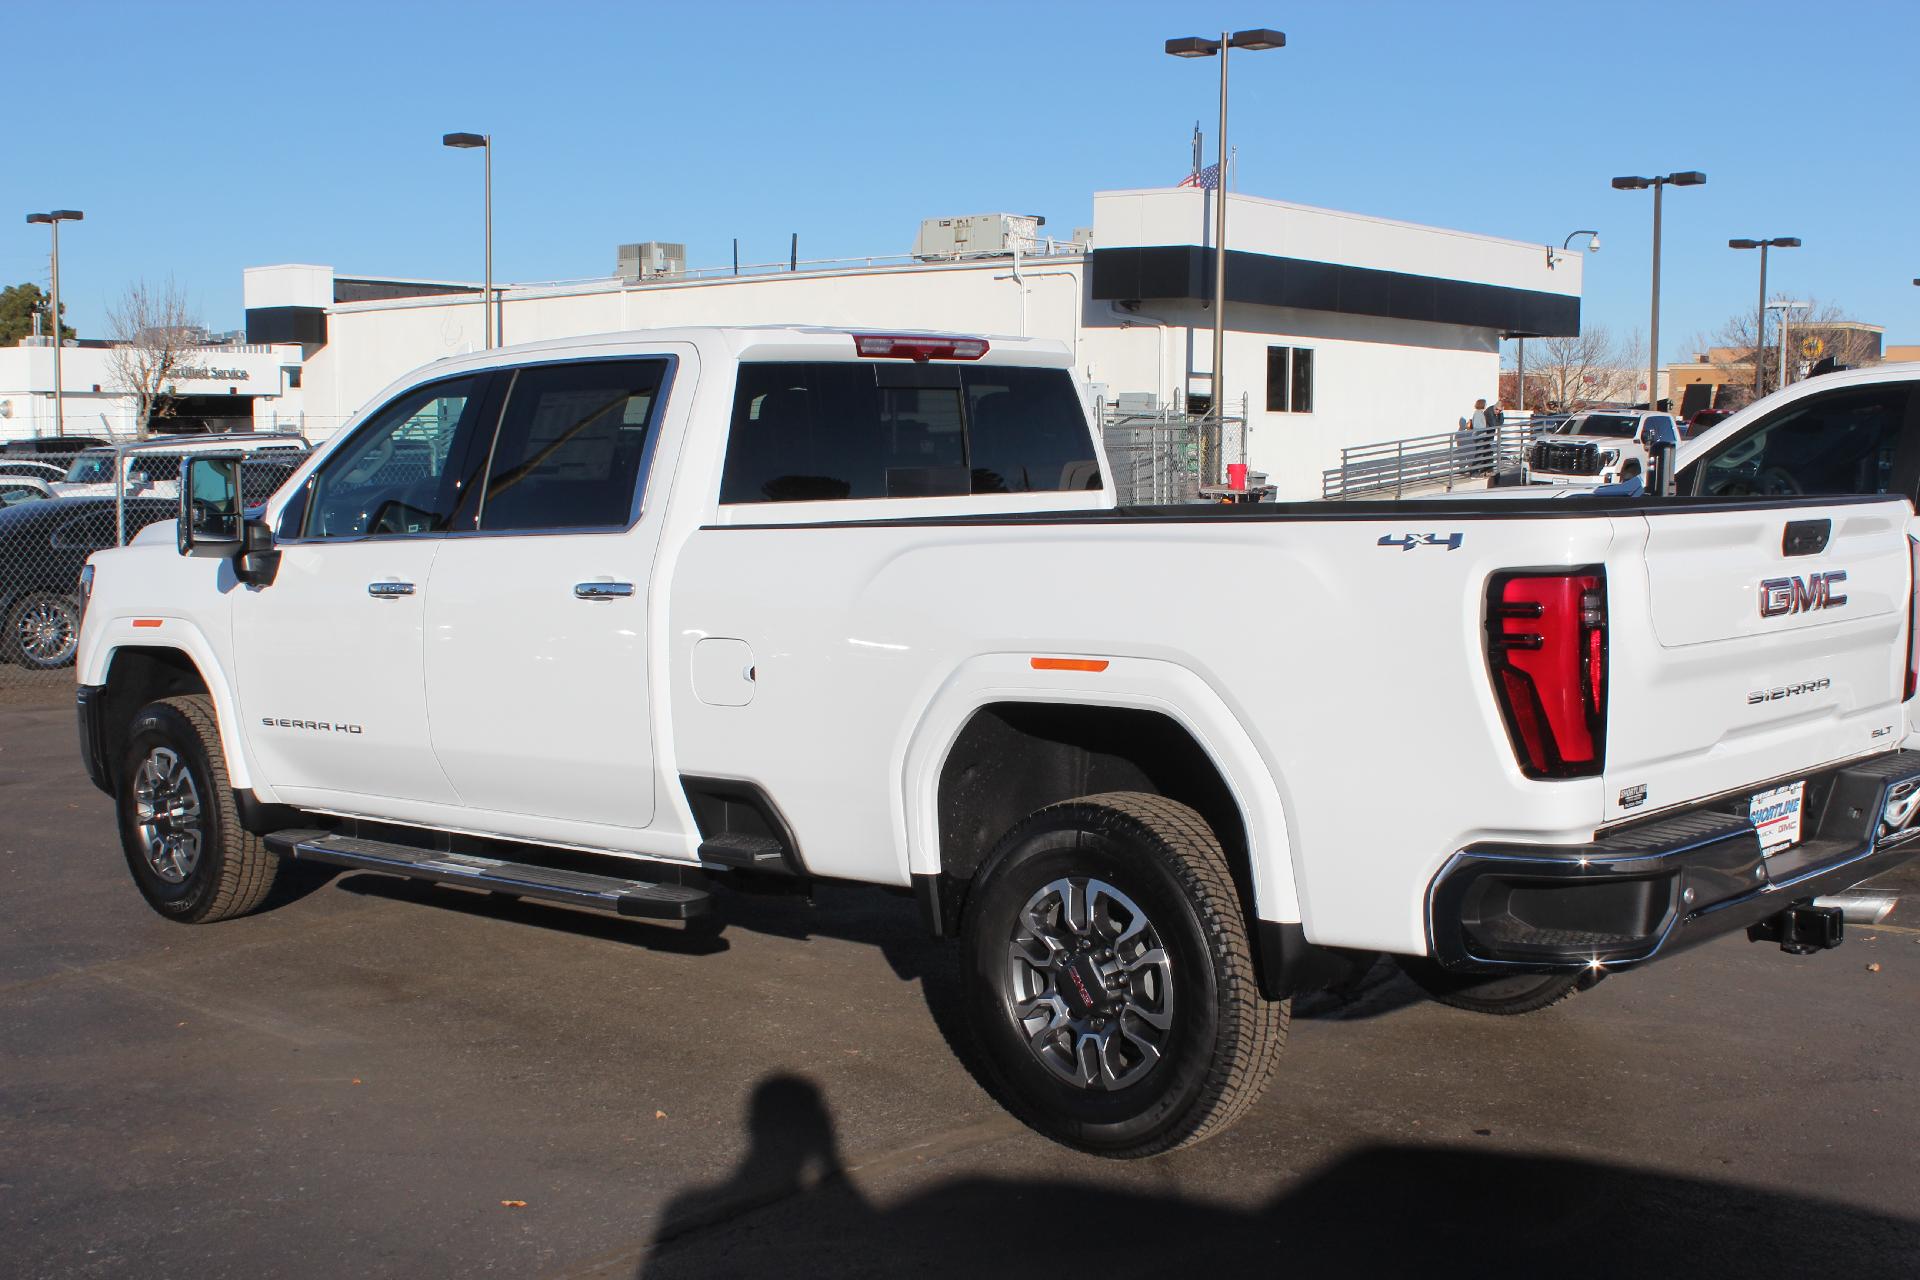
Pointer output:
x,y
1193,47
1743,244
68,215
39,217
1689,178
463,140
1259,38
1786,242
1632,184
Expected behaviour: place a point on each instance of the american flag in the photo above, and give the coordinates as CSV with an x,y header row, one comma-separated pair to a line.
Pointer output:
x,y
1207,179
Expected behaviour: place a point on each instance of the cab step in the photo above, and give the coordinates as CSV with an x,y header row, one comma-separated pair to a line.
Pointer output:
x,y
641,898
744,852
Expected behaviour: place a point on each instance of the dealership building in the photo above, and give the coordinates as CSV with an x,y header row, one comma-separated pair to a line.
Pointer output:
x,y
1341,329
219,386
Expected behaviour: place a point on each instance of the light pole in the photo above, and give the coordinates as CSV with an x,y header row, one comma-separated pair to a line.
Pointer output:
x,y
1782,324
1760,334
467,141
1201,47
53,221
1686,178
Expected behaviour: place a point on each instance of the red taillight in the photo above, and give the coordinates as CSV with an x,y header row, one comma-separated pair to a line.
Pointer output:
x,y
912,347
1547,645
1913,618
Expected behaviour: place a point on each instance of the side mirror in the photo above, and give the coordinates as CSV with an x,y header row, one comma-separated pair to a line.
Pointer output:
x,y
211,516
138,480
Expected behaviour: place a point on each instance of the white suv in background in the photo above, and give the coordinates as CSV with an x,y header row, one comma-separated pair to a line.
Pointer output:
x,y
1600,447
151,468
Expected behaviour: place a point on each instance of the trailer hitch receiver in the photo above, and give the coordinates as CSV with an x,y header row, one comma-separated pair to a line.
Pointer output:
x,y
1802,929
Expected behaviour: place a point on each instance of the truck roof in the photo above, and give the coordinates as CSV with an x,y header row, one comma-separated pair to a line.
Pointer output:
x,y
758,342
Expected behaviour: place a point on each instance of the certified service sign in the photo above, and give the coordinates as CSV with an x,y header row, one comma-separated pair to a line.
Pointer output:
x,y
1776,817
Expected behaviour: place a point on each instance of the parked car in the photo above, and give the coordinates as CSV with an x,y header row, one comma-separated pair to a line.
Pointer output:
x,y
1705,419
151,468
1599,446
51,444
43,546
23,489
47,471
768,605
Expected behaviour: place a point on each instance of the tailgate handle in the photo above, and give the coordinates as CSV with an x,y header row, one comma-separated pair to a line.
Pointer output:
x,y
1806,537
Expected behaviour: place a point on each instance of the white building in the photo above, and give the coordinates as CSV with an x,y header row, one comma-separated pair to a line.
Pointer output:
x,y
221,387
1342,329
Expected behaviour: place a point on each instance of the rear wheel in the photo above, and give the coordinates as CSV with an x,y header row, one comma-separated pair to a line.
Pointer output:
x,y
179,829
1108,978
43,630
1500,994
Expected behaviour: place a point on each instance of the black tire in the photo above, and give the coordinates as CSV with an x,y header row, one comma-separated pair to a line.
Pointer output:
x,y
1500,994
1222,1039
231,872
43,630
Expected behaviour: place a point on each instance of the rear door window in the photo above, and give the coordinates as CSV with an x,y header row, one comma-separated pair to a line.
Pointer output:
x,y
821,431
572,446
1845,441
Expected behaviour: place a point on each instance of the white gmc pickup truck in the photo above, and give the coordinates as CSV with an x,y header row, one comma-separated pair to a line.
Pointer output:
x,y
615,621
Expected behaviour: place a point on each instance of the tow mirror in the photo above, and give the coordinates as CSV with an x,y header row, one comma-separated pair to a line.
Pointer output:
x,y
211,515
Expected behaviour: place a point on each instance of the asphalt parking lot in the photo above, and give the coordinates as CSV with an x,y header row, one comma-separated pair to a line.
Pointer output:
x,y
380,1079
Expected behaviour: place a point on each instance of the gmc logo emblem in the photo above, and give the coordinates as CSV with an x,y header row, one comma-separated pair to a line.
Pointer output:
x,y
1780,596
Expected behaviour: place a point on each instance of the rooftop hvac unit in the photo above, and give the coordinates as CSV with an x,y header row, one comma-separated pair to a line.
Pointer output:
x,y
653,260
981,235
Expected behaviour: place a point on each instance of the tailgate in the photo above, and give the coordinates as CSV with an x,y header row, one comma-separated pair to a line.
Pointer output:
x,y
1751,644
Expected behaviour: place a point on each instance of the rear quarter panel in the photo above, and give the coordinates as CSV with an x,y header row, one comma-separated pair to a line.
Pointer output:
x,y
1355,666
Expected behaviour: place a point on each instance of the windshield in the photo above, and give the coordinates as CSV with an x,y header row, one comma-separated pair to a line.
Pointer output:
x,y
91,468
1615,425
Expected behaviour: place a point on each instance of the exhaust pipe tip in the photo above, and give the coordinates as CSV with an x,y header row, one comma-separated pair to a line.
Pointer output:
x,y
1861,908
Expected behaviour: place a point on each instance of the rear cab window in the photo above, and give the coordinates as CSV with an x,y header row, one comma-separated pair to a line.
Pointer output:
x,y
830,431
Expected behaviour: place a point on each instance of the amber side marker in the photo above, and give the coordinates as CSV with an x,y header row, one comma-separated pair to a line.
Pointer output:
x,y
146,622
1069,664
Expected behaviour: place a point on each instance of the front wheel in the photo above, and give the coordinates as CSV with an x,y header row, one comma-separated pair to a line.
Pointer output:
x,y
179,827
1109,981
43,630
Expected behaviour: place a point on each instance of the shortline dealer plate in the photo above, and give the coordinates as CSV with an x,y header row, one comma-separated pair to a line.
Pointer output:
x,y
1776,817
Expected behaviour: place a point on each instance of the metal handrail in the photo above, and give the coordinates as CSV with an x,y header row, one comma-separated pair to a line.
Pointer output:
x,y
1422,461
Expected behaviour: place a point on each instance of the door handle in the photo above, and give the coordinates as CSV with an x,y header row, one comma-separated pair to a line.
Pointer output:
x,y
602,590
389,590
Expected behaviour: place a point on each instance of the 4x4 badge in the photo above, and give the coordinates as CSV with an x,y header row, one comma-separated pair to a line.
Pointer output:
x,y
1408,541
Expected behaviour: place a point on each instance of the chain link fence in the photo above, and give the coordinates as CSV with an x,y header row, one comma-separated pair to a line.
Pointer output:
x,y
1163,457
56,509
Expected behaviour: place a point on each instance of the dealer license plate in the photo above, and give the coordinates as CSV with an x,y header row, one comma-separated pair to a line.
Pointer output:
x,y
1776,817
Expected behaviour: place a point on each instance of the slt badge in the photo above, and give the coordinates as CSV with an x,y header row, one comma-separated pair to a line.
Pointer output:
x,y
1408,541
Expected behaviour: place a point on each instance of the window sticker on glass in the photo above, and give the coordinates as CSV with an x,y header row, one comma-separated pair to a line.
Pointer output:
x,y
1776,817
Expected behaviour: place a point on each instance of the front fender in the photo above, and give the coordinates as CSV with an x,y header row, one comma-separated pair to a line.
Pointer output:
x,y
102,640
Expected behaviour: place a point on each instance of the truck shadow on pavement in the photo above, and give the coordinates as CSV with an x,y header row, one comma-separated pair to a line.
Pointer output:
x,y
793,1208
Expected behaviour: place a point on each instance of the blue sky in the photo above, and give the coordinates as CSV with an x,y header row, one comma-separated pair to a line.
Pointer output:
x,y
201,138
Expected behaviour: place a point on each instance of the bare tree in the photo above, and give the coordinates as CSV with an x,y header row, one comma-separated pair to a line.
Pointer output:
x,y
154,332
1576,372
1820,331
